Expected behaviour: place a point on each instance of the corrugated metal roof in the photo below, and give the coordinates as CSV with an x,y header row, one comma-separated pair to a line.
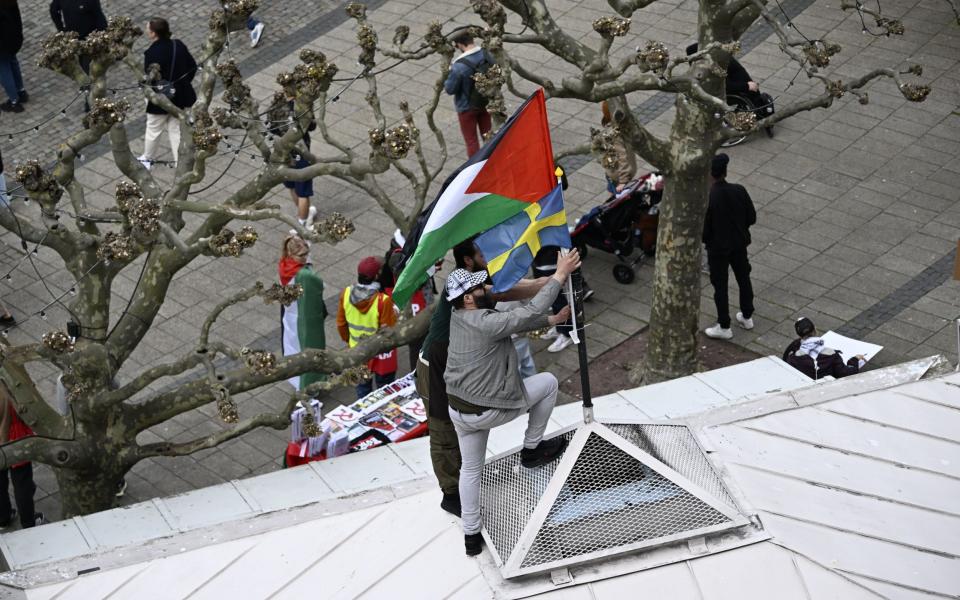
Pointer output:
x,y
868,485
858,492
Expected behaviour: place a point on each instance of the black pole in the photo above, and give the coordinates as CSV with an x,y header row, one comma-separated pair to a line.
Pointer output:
x,y
582,346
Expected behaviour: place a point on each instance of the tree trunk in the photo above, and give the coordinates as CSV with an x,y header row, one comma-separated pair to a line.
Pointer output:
x,y
87,491
674,316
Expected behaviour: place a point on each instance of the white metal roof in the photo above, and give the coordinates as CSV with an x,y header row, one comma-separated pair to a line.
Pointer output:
x,y
856,481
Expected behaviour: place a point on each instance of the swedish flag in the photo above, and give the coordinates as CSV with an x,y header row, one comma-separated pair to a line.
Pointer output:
x,y
510,246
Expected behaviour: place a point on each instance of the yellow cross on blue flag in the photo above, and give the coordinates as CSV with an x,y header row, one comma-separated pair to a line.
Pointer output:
x,y
511,246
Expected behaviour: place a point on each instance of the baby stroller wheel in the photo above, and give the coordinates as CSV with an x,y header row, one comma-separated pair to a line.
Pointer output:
x,y
739,104
623,274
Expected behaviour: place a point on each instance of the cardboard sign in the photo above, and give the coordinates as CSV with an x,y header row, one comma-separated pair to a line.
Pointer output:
x,y
849,347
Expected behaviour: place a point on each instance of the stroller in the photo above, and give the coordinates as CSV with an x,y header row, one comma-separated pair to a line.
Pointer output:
x,y
626,221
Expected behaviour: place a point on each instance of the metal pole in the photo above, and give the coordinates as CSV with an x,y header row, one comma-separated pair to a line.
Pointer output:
x,y
577,308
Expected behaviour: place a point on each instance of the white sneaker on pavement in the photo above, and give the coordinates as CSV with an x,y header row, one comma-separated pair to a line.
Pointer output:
x,y
146,162
550,333
744,322
560,343
255,34
311,216
718,333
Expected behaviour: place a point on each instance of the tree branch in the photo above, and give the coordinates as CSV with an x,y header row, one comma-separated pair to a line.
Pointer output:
x,y
198,392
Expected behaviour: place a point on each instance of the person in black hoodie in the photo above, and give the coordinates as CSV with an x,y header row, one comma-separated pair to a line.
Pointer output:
x,y
178,67
809,355
726,233
82,16
11,40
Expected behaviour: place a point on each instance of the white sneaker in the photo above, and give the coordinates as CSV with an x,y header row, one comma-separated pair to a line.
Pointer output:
x,y
718,333
255,34
744,322
311,216
560,343
550,334
146,162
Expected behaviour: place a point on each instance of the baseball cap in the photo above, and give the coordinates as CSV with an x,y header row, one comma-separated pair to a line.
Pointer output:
x,y
369,267
460,281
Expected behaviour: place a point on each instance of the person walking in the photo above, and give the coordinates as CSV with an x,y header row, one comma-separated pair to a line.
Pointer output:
x,y
726,233
82,16
363,309
812,357
301,192
255,28
178,68
12,428
484,387
301,323
471,106
11,41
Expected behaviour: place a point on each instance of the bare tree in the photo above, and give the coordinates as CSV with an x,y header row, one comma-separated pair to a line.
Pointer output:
x,y
702,122
95,443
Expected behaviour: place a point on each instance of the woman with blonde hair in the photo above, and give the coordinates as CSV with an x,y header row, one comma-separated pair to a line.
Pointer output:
x,y
301,323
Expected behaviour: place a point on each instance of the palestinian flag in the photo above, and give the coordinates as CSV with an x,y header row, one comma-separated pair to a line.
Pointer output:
x,y
509,173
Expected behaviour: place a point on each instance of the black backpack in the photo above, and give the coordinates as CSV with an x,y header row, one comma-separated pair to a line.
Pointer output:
x,y
474,98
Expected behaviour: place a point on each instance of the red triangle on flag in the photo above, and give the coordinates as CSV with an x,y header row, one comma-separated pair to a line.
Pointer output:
x,y
521,165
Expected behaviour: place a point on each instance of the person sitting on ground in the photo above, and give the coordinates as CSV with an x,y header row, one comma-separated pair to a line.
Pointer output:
x,y
809,355
484,388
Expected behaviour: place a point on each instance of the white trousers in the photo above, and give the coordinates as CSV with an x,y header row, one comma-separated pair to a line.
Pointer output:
x,y
155,126
473,431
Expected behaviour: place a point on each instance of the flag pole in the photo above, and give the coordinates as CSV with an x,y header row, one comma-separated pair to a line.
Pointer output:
x,y
575,287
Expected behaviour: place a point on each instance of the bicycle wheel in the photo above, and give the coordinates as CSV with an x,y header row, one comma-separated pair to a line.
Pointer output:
x,y
739,104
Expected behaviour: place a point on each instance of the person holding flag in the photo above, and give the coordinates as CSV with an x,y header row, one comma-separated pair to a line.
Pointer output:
x,y
484,387
511,175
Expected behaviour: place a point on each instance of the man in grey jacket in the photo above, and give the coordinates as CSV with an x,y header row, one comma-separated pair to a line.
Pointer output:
x,y
484,387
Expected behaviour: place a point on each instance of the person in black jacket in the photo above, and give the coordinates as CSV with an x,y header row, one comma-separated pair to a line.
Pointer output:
x,y
11,40
739,82
82,16
178,67
809,355
726,233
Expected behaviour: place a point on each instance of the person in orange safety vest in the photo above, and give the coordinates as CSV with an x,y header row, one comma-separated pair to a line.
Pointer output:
x,y
362,310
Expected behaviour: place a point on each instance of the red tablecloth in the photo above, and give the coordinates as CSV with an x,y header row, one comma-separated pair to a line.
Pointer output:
x,y
294,459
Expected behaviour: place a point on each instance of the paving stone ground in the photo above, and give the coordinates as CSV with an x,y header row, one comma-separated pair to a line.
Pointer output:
x,y
858,209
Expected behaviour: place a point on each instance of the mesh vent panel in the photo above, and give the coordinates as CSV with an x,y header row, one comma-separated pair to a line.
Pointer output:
x,y
611,500
676,447
508,495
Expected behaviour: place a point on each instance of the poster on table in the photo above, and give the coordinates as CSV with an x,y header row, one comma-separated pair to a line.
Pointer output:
x,y
392,413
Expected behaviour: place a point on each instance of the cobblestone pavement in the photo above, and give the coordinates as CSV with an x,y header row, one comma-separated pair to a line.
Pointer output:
x,y
858,211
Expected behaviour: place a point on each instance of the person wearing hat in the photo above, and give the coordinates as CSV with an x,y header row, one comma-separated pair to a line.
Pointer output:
x,y
726,233
362,310
809,355
483,383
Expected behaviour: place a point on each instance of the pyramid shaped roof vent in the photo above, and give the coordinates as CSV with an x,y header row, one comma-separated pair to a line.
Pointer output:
x,y
619,488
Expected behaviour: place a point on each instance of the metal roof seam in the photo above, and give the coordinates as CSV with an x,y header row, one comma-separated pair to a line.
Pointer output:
x,y
851,452
843,489
859,533
883,423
